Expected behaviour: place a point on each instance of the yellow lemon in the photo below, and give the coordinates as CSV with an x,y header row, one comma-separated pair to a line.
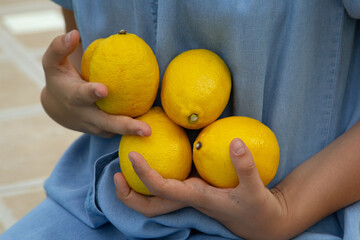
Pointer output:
x,y
167,150
211,150
86,58
195,88
126,65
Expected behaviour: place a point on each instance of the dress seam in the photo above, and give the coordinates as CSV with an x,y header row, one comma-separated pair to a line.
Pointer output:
x,y
154,12
333,79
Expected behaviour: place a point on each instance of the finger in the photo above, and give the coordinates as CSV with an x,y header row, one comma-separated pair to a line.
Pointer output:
x,y
120,124
192,192
245,166
87,93
61,47
148,206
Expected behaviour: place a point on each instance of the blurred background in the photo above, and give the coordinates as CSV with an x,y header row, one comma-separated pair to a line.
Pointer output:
x,y
30,142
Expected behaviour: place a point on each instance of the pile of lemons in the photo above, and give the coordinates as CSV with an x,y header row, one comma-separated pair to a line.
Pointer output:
x,y
195,90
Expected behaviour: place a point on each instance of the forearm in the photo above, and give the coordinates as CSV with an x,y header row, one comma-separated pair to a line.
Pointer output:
x,y
323,184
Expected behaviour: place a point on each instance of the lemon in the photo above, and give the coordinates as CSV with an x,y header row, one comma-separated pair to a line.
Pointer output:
x,y
167,150
195,88
86,58
127,66
211,150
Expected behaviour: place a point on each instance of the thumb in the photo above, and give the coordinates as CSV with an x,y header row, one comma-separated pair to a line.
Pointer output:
x,y
245,166
61,47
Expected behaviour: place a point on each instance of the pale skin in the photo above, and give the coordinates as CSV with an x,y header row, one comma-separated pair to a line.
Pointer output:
x,y
323,184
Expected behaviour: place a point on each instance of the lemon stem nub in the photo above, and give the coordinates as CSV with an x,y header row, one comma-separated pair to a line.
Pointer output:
x,y
193,118
123,32
198,145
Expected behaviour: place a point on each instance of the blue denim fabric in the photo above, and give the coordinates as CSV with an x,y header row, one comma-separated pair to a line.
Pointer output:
x,y
295,66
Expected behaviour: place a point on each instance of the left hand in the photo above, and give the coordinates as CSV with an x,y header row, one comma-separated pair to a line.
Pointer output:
x,y
249,210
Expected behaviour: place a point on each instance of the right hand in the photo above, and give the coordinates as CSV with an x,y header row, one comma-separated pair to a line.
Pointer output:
x,y
70,100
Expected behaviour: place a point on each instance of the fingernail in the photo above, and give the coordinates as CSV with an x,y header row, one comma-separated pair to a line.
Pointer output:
x,y
67,38
140,133
238,147
98,94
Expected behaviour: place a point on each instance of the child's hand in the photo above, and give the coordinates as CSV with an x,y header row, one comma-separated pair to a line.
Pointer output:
x,y
70,100
250,210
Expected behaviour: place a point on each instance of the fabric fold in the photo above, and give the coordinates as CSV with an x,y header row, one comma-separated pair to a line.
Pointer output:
x,y
133,224
72,183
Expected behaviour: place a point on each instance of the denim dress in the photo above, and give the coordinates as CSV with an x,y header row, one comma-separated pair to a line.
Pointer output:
x,y
295,66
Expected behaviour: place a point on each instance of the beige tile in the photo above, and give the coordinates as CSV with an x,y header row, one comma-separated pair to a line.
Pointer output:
x,y
39,39
36,38
2,228
30,147
4,3
33,21
20,205
16,88
38,58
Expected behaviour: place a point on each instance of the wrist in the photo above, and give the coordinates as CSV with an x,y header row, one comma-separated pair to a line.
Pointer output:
x,y
281,227
273,220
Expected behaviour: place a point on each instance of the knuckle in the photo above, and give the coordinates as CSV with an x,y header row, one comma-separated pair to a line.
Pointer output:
x,y
115,124
55,45
160,189
147,212
124,125
128,126
77,97
247,168
71,108
54,48
97,131
80,96
102,122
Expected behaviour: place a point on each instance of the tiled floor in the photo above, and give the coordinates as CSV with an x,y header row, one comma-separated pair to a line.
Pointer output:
x,y
30,142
